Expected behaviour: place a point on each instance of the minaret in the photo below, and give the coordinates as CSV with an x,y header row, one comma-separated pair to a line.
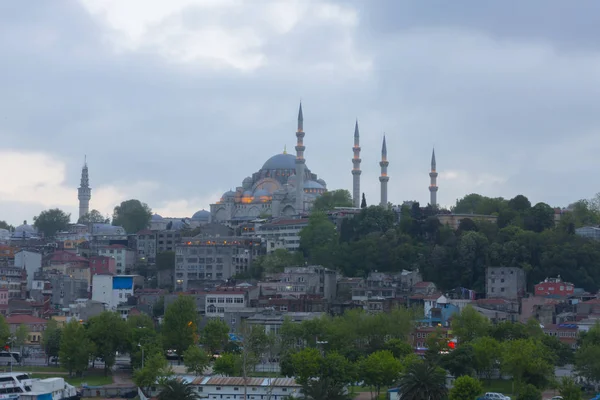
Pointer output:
x,y
356,168
300,163
84,193
433,187
384,178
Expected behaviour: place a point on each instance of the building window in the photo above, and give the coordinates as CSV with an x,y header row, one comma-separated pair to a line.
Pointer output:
x,y
502,289
229,300
220,300
239,300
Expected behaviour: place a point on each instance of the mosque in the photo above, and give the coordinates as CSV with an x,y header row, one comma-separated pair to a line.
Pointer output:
x,y
275,190
285,187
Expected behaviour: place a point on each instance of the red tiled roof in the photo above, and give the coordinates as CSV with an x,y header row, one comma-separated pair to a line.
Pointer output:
x,y
116,246
25,319
592,301
66,256
422,284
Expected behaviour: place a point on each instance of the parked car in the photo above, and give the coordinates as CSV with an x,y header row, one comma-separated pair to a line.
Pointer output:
x,y
494,396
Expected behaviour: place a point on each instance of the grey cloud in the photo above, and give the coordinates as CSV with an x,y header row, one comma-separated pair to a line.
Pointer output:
x,y
452,77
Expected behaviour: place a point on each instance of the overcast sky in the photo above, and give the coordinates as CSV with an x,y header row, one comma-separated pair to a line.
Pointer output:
x,y
175,102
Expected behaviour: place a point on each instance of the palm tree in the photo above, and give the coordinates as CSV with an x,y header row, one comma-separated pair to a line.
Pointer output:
x,y
323,389
423,381
176,389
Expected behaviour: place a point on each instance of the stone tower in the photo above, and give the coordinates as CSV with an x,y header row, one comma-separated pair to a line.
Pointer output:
x,y
356,168
84,193
300,163
433,187
384,178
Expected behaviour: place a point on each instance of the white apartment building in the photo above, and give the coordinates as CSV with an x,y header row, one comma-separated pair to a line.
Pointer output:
x,y
112,290
124,256
221,301
282,234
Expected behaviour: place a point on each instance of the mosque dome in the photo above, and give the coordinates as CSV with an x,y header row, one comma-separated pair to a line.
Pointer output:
x,y
156,218
261,193
107,229
25,228
247,193
247,183
281,161
228,194
322,183
201,215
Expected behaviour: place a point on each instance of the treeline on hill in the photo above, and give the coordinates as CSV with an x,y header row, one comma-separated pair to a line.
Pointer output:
x,y
524,236
375,349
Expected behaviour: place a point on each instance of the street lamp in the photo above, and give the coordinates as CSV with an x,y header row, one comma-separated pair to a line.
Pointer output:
x,y
142,347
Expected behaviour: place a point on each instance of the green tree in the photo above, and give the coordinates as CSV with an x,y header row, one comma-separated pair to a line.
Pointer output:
x,y
6,225
465,388
307,364
158,310
51,221
539,217
332,199
487,352
93,217
180,327
324,389
399,348
363,203
423,381
132,215
277,260
4,331
319,240
75,348
20,335
51,339
176,389
380,369
519,203
195,360
228,364
110,334
529,392
528,361
469,325
569,389
215,335
156,367
145,340
165,261
459,361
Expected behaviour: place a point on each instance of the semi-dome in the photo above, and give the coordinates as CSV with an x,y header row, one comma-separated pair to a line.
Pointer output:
x,y
281,161
247,193
322,182
201,215
313,185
